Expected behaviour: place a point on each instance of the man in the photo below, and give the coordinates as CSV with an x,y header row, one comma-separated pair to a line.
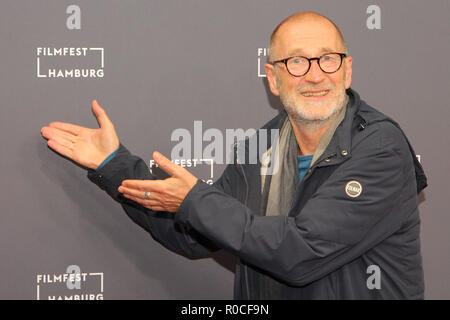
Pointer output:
x,y
338,220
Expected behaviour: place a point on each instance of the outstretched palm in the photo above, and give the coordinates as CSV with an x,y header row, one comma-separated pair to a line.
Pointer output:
x,y
86,146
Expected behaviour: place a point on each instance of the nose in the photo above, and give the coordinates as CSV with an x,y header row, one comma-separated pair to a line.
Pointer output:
x,y
315,74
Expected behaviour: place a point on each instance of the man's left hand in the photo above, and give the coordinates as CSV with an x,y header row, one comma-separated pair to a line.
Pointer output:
x,y
161,195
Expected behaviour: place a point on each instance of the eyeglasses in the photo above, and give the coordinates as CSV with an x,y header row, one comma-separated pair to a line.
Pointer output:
x,y
299,66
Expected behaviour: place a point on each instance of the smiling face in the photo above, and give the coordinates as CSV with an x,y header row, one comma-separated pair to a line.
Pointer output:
x,y
316,96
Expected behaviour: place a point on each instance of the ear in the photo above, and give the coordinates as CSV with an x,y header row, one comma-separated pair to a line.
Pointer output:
x,y
271,78
348,72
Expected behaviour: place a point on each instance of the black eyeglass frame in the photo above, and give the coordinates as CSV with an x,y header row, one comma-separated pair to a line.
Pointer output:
x,y
342,55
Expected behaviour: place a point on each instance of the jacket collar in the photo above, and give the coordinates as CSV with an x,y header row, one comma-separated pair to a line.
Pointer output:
x,y
340,146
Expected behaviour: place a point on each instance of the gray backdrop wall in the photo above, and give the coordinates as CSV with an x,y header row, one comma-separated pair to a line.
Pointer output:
x,y
166,64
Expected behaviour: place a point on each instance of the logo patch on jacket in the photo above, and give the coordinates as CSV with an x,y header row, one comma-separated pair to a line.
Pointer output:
x,y
353,189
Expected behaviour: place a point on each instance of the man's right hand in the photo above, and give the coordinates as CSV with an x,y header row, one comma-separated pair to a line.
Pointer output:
x,y
85,146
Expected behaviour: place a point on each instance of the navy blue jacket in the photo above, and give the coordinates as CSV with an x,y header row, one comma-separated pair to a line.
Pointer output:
x,y
329,243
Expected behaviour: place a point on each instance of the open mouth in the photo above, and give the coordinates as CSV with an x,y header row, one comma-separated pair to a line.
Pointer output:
x,y
315,93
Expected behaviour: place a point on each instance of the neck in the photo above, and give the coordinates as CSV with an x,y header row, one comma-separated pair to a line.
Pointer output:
x,y
308,135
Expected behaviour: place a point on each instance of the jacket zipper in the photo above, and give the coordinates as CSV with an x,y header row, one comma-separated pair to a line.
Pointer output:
x,y
246,198
245,203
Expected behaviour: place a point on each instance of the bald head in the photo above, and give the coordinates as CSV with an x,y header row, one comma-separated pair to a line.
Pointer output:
x,y
305,25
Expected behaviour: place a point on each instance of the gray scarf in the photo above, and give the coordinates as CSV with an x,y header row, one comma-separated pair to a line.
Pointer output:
x,y
278,190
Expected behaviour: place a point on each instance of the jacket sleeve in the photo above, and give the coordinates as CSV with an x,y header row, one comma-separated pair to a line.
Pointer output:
x,y
331,230
161,225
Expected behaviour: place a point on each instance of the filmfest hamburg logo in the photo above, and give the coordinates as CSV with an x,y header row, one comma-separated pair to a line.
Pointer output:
x,y
57,62
190,163
71,285
262,57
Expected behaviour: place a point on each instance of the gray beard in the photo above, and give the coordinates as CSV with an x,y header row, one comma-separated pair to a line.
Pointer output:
x,y
300,121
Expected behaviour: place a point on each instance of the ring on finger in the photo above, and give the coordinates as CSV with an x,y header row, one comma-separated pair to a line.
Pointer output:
x,y
147,194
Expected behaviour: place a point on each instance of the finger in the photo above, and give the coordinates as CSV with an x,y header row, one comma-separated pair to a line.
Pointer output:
x,y
100,114
139,194
144,185
60,149
145,203
136,199
69,127
165,163
50,133
62,141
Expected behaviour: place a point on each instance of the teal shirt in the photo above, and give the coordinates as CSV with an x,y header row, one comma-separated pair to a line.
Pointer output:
x,y
303,165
